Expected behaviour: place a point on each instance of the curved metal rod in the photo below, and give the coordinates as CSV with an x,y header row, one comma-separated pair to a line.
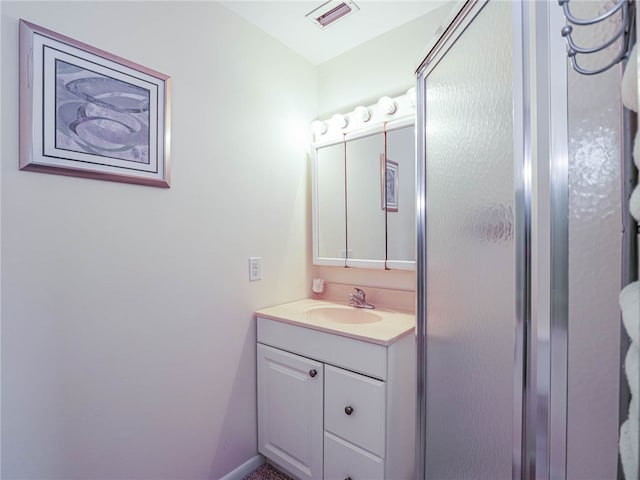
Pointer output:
x,y
627,20
583,71
589,21
566,33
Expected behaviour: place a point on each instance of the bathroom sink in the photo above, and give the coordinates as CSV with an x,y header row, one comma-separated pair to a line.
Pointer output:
x,y
340,314
381,325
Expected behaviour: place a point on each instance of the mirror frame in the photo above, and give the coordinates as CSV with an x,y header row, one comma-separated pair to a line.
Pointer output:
x,y
340,139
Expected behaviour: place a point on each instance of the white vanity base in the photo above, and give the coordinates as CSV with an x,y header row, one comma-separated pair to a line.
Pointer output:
x,y
335,407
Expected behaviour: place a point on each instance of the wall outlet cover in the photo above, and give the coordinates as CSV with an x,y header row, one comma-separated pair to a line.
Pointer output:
x,y
255,268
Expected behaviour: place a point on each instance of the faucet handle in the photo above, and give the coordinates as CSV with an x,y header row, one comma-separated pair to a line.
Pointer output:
x,y
360,293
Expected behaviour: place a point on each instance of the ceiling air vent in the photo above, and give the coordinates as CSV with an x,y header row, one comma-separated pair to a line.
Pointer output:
x,y
331,11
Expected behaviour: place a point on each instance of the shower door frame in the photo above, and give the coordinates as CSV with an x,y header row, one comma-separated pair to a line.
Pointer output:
x,y
548,416
542,222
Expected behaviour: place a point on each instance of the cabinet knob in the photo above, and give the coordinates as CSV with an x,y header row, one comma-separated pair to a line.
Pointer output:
x,y
348,478
313,372
348,410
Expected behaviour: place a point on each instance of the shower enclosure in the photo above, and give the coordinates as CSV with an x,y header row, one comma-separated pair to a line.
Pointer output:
x,y
519,249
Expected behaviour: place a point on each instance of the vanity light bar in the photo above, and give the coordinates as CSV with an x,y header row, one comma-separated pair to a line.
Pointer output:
x,y
385,110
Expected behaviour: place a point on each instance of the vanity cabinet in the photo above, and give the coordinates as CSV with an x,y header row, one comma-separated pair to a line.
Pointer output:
x,y
334,407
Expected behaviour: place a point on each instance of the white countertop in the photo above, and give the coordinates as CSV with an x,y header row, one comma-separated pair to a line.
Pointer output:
x,y
391,324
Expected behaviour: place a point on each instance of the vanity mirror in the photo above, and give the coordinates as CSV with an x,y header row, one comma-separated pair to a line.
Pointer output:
x,y
364,187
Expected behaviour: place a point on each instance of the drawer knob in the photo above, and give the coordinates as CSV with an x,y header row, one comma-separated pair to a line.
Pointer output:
x,y
348,478
313,372
348,410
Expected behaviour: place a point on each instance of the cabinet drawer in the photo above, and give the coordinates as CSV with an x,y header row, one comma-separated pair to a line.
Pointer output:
x,y
354,408
345,461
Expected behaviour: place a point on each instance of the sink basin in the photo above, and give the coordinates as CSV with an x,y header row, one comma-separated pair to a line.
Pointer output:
x,y
380,326
339,314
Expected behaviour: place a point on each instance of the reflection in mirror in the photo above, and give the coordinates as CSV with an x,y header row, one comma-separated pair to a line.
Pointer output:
x,y
365,217
401,222
329,186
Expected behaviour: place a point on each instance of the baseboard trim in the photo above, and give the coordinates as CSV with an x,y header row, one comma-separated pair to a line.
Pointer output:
x,y
245,469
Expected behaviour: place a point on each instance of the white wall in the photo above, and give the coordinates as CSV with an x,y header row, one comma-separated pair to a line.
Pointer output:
x,y
382,66
385,65
128,341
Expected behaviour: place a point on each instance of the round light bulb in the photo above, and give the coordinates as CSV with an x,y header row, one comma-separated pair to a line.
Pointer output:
x,y
362,113
318,127
387,105
339,121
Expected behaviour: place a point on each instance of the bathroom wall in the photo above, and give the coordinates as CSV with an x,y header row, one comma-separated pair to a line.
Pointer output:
x,y
382,66
128,340
385,65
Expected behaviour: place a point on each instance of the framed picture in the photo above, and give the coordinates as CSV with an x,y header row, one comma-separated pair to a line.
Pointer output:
x,y
88,113
390,186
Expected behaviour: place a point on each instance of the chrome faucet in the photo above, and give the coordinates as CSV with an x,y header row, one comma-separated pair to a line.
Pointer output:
x,y
359,299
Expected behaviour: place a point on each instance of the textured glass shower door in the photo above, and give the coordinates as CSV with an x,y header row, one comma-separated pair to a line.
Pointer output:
x,y
471,249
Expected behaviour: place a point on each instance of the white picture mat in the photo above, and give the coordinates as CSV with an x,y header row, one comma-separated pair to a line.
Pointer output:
x,y
43,48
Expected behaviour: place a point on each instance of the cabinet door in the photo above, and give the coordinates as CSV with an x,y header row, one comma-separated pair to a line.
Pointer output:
x,y
290,390
329,221
365,216
401,220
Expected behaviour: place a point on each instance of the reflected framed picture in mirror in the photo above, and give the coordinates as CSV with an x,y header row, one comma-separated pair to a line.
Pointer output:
x,y
390,192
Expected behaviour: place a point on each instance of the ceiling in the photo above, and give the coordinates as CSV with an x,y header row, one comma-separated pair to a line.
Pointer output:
x,y
285,20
